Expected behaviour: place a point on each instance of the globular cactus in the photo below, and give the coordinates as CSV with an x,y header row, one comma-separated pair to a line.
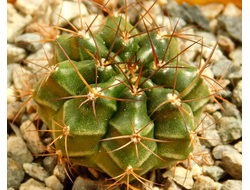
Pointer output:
x,y
120,101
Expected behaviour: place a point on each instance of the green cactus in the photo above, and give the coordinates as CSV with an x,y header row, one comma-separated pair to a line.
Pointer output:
x,y
120,101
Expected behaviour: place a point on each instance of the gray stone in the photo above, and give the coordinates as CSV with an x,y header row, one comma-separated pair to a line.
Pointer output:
x,y
232,185
84,183
197,15
232,25
179,23
36,171
215,172
229,129
16,23
232,163
177,11
226,44
32,184
29,41
15,54
218,150
60,173
205,183
17,150
220,66
15,173
180,175
53,183
31,136
211,138
211,108
16,129
231,110
49,163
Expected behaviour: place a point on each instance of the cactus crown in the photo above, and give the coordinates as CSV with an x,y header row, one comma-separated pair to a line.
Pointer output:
x,y
120,101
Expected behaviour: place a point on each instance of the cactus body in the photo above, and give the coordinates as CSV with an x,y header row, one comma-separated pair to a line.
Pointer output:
x,y
118,116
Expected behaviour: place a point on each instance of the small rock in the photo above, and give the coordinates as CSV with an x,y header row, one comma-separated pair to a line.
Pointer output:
x,y
196,170
60,173
32,184
238,146
232,25
237,94
232,185
229,129
12,110
15,173
36,171
49,163
178,174
231,110
16,23
17,150
53,183
215,172
178,11
211,108
179,23
84,183
232,10
211,138
31,136
169,184
29,41
11,95
28,7
236,56
16,129
218,150
220,66
197,15
70,10
205,183
213,24
212,10
15,54
232,163
226,44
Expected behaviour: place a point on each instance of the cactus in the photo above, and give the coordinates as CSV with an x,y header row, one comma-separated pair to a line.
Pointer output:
x,y
120,101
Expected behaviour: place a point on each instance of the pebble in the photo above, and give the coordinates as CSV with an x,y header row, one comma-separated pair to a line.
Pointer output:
x,y
232,163
32,184
236,56
49,163
231,110
211,108
232,10
237,94
32,138
232,25
70,10
218,150
238,146
212,138
220,66
28,41
178,11
53,183
178,175
84,183
28,7
60,173
11,95
16,23
226,44
12,110
36,171
16,129
15,54
17,150
15,173
215,172
229,129
197,16
232,185
212,10
205,183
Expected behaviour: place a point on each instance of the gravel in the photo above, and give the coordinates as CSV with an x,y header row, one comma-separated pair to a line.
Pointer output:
x,y
27,171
